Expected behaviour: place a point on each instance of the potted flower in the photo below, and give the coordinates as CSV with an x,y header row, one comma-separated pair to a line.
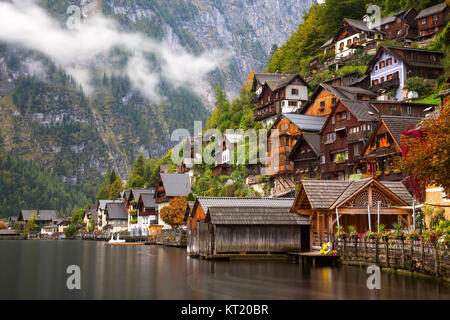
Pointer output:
x,y
398,234
352,232
413,235
340,233
387,172
377,174
370,235
397,170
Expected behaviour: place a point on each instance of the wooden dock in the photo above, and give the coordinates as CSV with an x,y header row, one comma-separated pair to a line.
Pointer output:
x,y
313,258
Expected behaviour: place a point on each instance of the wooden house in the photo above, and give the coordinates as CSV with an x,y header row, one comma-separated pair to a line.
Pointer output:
x,y
277,93
101,207
133,210
326,96
353,34
346,80
202,204
363,204
306,156
87,216
380,155
343,136
244,225
391,66
224,163
400,26
431,21
402,108
280,141
42,216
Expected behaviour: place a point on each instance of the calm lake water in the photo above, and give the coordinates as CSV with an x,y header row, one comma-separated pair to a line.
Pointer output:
x,y
37,270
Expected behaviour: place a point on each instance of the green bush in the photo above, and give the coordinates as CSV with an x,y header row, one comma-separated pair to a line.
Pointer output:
x,y
420,85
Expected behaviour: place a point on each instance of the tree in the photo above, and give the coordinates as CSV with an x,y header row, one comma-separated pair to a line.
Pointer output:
x,y
420,85
426,150
173,214
77,217
136,178
115,189
31,224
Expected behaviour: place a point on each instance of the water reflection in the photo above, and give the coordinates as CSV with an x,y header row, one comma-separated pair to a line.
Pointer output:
x,y
37,270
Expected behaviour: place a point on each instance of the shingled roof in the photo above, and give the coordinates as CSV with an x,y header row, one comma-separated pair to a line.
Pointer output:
x,y
432,10
41,215
255,216
397,125
206,202
327,194
137,192
148,199
176,184
102,203
362,110
116,211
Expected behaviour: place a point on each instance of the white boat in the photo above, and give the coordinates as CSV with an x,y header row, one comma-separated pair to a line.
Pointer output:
x,y
115,241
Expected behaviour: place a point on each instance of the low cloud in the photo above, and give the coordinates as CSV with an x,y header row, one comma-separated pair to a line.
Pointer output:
x,y
90,46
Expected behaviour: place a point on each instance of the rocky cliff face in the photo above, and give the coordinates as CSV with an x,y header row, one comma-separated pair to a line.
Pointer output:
x,y
45,120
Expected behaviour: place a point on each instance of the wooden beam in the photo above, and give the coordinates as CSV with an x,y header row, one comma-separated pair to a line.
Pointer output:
x,y
384,211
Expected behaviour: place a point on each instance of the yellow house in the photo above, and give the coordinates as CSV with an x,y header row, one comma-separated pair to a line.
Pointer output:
x,y
437,196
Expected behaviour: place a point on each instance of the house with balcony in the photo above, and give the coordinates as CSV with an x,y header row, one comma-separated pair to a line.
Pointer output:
x,y
391,66
133,211
431,21
148,221
306,156
400,26
281,139
343,136
276,94
355,34
381,155
326,96
101,208
116,217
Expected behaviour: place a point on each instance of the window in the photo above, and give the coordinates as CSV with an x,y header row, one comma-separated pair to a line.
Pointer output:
x,y
333,120
356,149
424,20
322,159
387,26
294,92
375,82
376,68
382,79
399,32
322,104
331,137
382,64
389,62
436,29
435,17
292,103
389,77
333,101
409,109
395,60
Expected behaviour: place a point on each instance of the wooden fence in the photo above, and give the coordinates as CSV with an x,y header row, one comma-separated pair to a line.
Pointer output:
x,y
408,255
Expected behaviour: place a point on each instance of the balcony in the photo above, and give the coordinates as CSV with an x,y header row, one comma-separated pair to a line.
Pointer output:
x,y
389,84
261,115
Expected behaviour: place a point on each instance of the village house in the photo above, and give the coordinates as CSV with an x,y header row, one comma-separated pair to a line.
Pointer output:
x,y
343,136
281,139
391,66
346,80
42,216
62,223
131,205
381,155
187,165
116,217
49,231
148,221
102,222
400,26
87,216
171,185
277,93
306,156
364,204
355,34
326,96
431,21
224,165
249,225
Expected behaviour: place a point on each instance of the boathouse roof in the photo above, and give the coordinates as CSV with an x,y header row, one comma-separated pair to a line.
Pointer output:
x,y
255,216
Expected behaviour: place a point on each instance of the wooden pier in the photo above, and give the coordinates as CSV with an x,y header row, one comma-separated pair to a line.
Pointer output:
x,y
313,258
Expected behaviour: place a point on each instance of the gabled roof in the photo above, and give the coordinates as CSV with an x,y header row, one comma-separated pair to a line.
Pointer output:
x,y
206,202
329,194
148,199
432,10
413,63
255,216
357,25
176,184
340,92
135,193
302,122
393,17
116,211
42,215
102,203
327,44
275,81
311,138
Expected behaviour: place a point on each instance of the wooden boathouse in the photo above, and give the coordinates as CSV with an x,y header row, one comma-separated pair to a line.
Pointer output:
x,y
364,204
227,227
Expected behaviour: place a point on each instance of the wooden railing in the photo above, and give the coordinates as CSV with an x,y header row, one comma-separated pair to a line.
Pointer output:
x,y
409,255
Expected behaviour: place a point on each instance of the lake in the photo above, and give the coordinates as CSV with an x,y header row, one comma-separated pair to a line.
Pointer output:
x,y
37,270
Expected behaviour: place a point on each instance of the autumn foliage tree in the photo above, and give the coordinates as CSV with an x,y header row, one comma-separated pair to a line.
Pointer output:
x,y
173,214
426,150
